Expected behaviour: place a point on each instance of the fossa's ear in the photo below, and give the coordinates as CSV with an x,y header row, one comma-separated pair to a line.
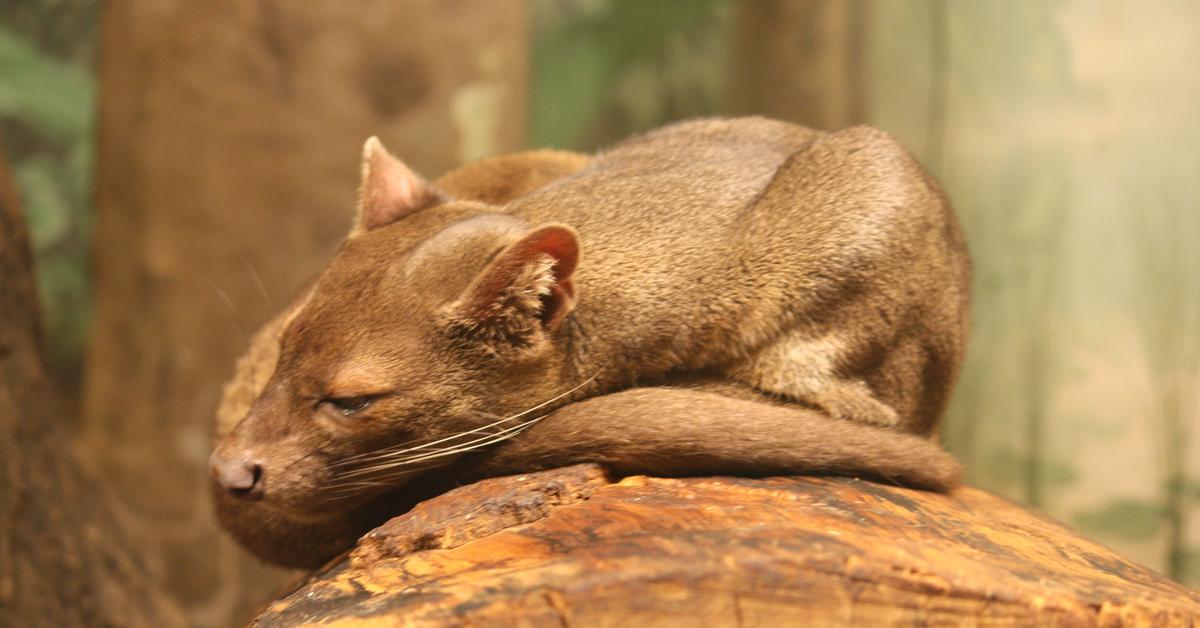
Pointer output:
x,y
526,289
389,190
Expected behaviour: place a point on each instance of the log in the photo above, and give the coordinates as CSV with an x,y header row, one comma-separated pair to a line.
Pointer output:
x,y
573,547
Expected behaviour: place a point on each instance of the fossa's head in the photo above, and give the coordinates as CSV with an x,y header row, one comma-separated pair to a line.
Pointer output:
x,y
435,319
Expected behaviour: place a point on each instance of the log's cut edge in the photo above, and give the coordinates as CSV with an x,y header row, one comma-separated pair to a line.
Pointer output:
x,y
570,546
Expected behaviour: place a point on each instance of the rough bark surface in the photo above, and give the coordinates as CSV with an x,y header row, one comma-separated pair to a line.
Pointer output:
x,y
571,547
63,558
800,61
228,160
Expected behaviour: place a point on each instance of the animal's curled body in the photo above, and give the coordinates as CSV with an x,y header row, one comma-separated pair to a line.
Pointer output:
x,y
771,300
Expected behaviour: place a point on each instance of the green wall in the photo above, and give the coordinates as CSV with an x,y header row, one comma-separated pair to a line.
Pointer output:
x,y
1065,132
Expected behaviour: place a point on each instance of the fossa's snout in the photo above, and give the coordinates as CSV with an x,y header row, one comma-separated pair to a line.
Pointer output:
x,y
240,475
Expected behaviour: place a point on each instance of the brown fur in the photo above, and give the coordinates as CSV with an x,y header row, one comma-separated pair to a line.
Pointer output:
x,y
637,432
824,273
494,180
296,540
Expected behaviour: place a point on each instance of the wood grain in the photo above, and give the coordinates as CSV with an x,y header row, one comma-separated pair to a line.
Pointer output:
x,y
571,547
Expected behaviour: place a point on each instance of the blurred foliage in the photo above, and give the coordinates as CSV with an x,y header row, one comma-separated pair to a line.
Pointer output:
x,y
1007,468
1167,239
46,117
49,95
606,68
1191,565
1062,134
1132,519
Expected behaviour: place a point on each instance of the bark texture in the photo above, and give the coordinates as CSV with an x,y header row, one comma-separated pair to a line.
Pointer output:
x,y
571,547
800,61
228,159
64,560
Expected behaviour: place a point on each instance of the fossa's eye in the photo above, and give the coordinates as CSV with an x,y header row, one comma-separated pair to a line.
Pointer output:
x,y
351,405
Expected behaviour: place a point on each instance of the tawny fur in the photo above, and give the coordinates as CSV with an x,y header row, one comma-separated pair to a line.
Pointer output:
x,y
637,432
796,290
493,180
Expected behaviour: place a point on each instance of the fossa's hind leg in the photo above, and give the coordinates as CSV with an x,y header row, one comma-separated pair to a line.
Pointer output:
x,y
803,369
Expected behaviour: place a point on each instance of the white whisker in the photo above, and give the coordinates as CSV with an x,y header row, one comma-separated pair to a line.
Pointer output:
x,y
392,450
471,445
349,489
381,468
393,453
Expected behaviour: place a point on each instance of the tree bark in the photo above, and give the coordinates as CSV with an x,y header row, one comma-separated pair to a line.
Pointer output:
x,y
800,61
228,160
64,559
571,547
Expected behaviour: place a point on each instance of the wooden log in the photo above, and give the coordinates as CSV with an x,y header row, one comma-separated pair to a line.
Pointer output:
x,y
572,547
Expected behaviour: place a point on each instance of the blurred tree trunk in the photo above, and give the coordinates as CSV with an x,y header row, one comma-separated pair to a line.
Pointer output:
x,y
64,560
800,61
229,137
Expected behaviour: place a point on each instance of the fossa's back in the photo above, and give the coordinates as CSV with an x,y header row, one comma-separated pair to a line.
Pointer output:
x,y
824,268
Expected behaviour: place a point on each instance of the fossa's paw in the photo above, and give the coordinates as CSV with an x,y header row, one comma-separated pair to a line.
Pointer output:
x,y
854,401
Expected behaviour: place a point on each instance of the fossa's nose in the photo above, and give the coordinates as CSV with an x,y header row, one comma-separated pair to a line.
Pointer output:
x,y
240,475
